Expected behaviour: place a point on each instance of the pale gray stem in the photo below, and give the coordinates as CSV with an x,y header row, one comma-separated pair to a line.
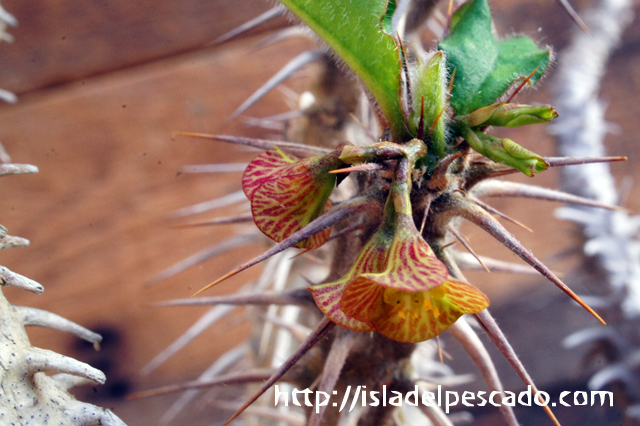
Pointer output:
x,y
580,131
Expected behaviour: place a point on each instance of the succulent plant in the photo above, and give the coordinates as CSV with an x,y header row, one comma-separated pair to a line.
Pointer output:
x,y
383,207
28,394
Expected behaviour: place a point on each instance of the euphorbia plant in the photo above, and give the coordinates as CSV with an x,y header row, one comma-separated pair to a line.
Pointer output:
x,y
430,160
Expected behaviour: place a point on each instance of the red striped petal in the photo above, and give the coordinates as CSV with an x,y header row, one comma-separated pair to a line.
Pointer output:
x,y
329,296
411,265
287,193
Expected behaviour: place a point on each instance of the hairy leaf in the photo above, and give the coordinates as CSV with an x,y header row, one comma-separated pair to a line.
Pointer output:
x,y
430,87
485,68
354,30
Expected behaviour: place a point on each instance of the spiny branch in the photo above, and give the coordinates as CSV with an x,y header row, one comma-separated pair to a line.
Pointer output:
x,y
318,334
265,144
475,214
297,297
489,325
333,216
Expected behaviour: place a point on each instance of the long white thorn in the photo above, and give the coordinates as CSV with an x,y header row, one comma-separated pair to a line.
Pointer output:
x,y
468,261
215,168
287,71
467,337
203,255
11,279
270,14
40,318
466,245
225,361
212,316
336,358
500,188
42,360
284,34
224,201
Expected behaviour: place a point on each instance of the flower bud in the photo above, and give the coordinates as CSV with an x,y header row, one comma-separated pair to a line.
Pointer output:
x,y
509,115
505,151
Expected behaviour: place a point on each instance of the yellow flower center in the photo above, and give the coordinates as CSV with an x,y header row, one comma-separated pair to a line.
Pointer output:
x,y
409,304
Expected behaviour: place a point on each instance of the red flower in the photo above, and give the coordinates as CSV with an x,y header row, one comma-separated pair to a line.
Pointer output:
x,y
287,193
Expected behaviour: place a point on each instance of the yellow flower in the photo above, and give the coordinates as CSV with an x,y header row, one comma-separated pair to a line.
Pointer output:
x,y
397,285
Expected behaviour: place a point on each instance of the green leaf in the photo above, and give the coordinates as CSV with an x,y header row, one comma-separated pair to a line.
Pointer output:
x,y
386,22
430,84
354,30
485,68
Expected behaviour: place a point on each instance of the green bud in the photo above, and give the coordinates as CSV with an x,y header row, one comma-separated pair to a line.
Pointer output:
x,y
509,115
505,151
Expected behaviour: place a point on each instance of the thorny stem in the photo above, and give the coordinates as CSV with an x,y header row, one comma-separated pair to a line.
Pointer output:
x,y
333,216
489,325
252,376
476,215
318,334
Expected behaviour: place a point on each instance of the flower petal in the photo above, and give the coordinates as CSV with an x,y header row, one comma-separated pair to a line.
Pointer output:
x,y
411,264
329,296
415,317
287,193
263,168
362,300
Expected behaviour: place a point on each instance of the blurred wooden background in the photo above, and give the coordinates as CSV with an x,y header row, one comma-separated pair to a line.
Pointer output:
x,y
102,87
